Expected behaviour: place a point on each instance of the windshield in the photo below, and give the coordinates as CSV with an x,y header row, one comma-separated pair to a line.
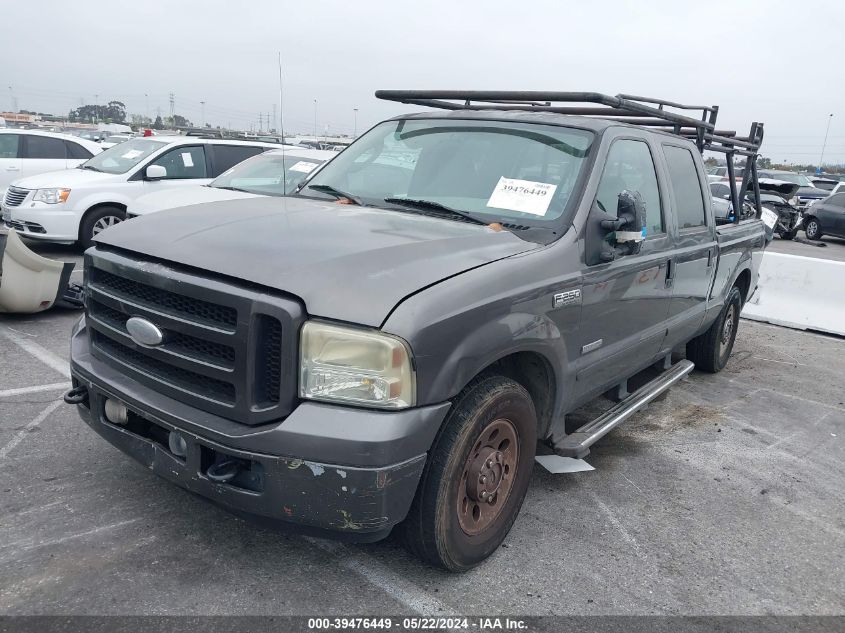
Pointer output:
x,y
494,170
268,174
124,156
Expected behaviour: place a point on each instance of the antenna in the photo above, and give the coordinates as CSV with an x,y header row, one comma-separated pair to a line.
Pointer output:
x,y
282,132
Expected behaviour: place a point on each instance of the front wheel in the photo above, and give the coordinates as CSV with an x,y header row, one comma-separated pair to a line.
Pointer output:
x,y
710,351
789,235
476,476
813,229
96,221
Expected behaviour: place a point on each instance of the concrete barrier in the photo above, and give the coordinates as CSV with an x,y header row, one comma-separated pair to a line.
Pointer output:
x,y
805,293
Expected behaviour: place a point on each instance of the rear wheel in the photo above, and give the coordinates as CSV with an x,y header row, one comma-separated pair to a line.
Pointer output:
x,y
476,476
789,235
97,221
710,351
813,229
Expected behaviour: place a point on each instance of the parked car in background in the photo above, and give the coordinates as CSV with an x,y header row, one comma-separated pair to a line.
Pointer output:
x,y
26,153
74,205
838,188
115,139
807,191
826,217
90,135
775,195
273,173
824,182
715,174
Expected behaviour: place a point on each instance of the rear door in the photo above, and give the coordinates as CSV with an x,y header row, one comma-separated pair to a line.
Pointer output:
x,y
625,302
224,157
10,159
42,154
186,165
693,261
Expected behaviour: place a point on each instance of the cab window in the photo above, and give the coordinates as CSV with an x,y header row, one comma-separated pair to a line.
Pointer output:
x,y
630,166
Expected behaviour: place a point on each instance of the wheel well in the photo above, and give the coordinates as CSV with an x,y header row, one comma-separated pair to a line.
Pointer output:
x,y
743,282
535,373
101,205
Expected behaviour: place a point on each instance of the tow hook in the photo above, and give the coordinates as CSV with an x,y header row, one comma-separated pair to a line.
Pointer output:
x,y
77,395
225,471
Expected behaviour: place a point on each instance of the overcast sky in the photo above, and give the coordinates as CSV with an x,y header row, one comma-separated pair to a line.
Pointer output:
x,y
775,61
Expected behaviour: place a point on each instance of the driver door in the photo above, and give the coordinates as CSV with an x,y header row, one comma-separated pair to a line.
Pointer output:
x,y
625,302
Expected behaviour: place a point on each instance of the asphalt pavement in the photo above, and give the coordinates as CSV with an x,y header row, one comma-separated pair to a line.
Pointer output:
x,y
725,497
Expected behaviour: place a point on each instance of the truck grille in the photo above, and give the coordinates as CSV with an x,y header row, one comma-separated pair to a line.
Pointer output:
x,y
227,349
14,196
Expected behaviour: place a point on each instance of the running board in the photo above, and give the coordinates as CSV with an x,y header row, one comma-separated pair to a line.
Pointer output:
x,y
578,444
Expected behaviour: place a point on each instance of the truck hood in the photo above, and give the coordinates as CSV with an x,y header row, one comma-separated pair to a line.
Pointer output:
x,y
182,197
67,178
345,262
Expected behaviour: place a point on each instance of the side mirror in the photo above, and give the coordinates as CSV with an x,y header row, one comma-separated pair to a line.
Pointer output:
x,y
609,237
155,172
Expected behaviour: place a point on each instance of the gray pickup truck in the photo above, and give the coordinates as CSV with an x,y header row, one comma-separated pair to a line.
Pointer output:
x,y
387,347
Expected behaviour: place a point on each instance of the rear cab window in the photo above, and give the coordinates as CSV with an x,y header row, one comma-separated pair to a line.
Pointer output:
x,y
686,187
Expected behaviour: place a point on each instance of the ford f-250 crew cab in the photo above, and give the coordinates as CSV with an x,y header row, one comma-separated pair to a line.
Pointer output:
x,y
389,345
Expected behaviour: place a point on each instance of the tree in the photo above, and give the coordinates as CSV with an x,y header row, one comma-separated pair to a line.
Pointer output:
x,y
710,161
139,120
157,124
113,112
764,163
177,121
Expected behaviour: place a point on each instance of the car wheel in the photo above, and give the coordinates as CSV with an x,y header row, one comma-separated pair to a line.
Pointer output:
x,y
710,351
813,229
476,476
97,221
789,235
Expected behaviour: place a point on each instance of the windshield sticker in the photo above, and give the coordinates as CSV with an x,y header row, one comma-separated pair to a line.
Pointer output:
x,y
522,195
304,166
132,154
187,159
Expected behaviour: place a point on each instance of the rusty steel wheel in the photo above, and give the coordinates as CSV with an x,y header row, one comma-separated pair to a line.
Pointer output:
x,y
489,472
476,475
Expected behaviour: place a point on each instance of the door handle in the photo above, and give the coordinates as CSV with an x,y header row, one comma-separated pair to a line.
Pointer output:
x,y
670,273
12,169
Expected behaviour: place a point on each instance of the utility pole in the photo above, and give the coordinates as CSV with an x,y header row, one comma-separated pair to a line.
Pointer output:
x,y
824,144
281,106
14,100
269,125
147,100
172,110
202,103
97,108
355,129
315,120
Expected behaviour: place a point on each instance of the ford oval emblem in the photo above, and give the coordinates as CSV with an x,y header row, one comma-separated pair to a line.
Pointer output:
x,y
143,332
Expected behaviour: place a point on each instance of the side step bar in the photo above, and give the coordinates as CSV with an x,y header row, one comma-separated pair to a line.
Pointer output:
x,y
578,444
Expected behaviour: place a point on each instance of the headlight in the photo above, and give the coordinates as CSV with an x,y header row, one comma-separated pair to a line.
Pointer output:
x,y
356,366
51,196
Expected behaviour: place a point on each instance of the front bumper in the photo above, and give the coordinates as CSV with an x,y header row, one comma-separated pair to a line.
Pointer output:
x,y
330,470
50,222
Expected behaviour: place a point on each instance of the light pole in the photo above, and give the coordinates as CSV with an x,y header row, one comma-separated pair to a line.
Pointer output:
x,y
202,103
147,100
355,128
824,144
315,120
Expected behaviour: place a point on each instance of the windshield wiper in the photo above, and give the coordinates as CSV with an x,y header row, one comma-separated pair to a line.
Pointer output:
x,y
227,188
337,193
434,206
89,167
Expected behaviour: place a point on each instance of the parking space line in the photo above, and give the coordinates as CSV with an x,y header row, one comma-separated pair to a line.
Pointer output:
x,y
44,355
23,432
626,536
394,585
55,386
29,544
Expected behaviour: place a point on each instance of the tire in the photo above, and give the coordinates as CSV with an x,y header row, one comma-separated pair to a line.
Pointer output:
x,y
789,235
813,229
97,220
710,351
454,525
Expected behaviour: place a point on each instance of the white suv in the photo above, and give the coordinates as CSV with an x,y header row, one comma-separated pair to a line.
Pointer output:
x,y
75,204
